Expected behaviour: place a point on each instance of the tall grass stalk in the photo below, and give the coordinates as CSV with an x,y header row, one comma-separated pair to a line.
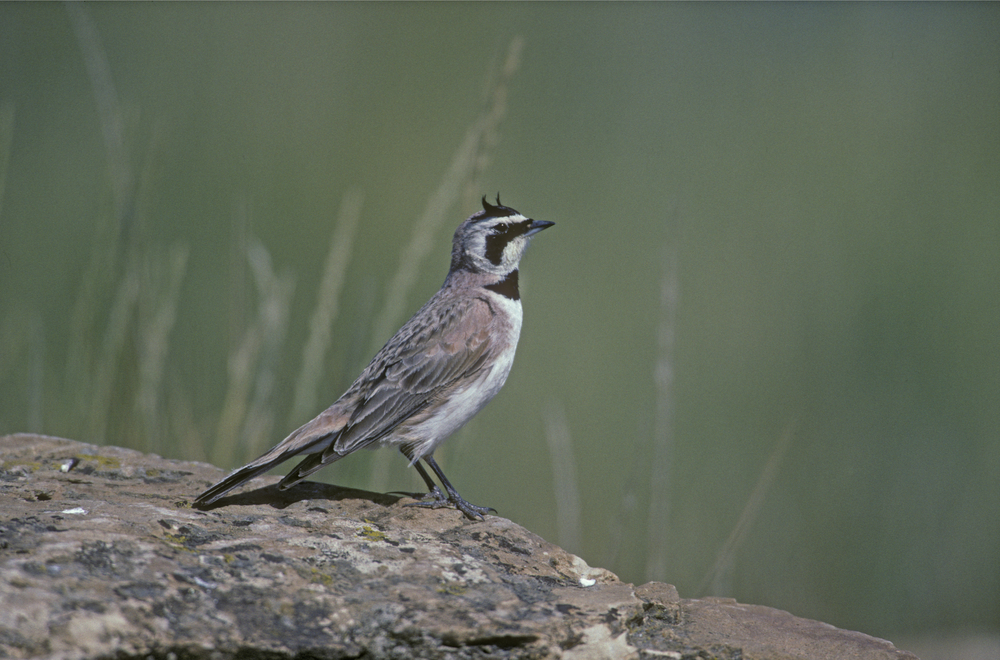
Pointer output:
x,y
12,330
145,302
251,366
108,108
658,520
89,378
622,523
716,580
465,165
22,344
156,321
274,317
327,306
6,139
101,389
495,94
97,278
36,376
564,477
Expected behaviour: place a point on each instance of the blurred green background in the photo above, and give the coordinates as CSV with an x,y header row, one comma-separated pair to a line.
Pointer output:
x,y
760,352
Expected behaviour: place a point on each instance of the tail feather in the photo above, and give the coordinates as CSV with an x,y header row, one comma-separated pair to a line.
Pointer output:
x,y
279,454
237,478
310,464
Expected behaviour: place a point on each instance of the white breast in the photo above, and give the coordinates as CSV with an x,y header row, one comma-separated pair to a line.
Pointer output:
x,y
463,403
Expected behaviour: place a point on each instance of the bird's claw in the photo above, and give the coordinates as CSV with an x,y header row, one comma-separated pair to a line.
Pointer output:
x,y
438,500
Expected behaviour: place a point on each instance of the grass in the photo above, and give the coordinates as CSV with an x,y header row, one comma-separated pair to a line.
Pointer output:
x,y
6,138
564,477
658,520
325,311
245,425
716,581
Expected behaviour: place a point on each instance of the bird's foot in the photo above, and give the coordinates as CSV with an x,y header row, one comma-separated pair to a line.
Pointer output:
x,y
432,500
438,500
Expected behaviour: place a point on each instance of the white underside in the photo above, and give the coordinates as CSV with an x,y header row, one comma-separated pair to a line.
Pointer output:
x,y
463,404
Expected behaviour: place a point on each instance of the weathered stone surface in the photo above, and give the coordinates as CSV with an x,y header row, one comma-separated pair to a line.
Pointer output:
x,y
101,556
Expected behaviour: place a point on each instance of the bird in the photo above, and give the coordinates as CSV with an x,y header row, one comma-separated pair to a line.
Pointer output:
x,y
447,362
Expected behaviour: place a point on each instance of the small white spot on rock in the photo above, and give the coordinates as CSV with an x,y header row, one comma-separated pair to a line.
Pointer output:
x,y
78,511
587,582
204,584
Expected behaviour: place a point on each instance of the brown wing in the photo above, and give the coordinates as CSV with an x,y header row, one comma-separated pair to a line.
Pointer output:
x,y
428,357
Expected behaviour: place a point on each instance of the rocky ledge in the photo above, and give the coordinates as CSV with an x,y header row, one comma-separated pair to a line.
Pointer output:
x,y
102,556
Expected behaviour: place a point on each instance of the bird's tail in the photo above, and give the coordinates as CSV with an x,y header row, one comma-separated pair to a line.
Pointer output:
x,y
309,465
244,474
278,454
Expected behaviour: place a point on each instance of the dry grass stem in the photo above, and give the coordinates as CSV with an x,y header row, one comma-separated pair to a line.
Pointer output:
x,y
155,327
622,522
90,378
327,306
252,365
564,477
715,579
495,92
6,138
276,299
36,376
658,521
108,108
101,389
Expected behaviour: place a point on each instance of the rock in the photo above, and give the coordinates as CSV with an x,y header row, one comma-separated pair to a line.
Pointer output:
x,y
102,556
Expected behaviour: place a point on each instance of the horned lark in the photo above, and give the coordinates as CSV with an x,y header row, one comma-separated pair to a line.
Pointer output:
x,y
436,372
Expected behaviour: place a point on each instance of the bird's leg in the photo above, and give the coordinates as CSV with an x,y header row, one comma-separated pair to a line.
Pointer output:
x,y
437,499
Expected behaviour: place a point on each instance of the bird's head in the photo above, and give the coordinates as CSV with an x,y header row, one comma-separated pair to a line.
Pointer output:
x,y
493,240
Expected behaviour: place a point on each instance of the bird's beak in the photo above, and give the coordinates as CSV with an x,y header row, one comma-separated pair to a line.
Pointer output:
x,y
537,226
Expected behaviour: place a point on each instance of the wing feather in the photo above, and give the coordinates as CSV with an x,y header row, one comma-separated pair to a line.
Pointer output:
x,y
440,351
